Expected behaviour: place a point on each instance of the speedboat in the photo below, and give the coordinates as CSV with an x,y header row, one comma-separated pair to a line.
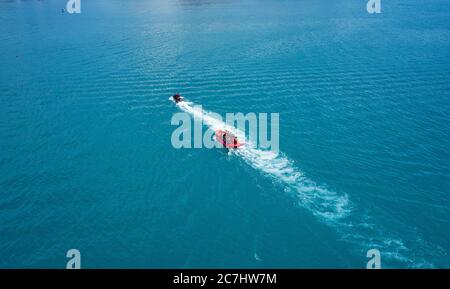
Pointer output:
x,y
177,98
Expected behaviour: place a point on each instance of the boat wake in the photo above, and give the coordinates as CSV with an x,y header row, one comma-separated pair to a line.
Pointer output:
x,y
318,200
331,208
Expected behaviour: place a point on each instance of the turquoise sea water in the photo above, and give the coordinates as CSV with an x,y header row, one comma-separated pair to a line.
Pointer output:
x,y
86,160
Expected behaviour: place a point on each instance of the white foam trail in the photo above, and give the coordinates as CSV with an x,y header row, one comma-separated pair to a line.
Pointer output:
x,y
330,207
320,201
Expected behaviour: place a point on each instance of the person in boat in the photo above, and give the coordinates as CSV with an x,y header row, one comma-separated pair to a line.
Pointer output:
x,y
224,137
228,138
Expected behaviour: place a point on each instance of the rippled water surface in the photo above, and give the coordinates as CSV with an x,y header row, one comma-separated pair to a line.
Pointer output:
x,y
86,159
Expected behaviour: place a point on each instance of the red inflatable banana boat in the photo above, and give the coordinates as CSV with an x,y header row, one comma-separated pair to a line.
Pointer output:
x,y
227,139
